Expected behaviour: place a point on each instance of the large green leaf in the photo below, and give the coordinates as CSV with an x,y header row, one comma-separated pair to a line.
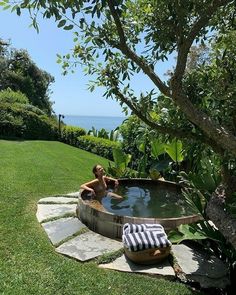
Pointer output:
x,y
175,151
195,231
157,148
121,159
195,200
187,232
175,236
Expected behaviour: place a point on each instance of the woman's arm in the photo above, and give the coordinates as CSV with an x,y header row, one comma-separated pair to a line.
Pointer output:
x,y
112,179
89,186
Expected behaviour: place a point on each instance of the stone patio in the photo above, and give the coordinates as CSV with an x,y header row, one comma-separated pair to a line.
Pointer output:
x,y
124,264
88,245
72,238
60,229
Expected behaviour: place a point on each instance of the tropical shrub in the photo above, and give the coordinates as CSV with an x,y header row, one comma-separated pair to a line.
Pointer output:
x,y
103,133
153,155
100,146
132,131
167,157
197,189
120,167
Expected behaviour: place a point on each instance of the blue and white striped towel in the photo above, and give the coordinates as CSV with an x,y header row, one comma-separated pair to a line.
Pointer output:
x,y
144,236
129,228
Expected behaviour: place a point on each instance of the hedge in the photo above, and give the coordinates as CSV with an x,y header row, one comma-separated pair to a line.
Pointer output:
x,y
69,134
20,120
100,146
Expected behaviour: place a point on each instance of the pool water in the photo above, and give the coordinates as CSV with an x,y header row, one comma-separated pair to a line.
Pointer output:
x,y
147,200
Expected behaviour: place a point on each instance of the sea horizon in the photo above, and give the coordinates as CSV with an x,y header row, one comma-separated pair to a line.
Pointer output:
x,y
98,122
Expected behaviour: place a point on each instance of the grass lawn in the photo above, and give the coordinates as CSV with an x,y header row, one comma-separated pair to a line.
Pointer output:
x,y
30,170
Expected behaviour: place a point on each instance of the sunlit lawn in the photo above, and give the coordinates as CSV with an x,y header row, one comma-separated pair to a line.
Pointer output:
x,y
30,170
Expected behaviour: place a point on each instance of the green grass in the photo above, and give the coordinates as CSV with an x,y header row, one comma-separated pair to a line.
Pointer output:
x,y
30,170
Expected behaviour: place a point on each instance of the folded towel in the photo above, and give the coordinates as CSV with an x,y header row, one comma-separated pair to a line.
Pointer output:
x,y
145,240
129,228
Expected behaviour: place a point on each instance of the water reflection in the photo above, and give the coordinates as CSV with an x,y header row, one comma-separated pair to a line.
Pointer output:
x,y
147,201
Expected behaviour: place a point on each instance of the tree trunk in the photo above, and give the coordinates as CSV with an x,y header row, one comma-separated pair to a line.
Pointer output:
x,y
222,219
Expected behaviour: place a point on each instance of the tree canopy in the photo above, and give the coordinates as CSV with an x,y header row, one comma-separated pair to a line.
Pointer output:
x,y
19,73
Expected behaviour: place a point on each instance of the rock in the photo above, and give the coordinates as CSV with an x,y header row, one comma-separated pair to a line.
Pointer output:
x,y
201,267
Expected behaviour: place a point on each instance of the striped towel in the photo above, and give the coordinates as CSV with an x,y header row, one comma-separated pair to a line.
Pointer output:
x,y
129,228
146,238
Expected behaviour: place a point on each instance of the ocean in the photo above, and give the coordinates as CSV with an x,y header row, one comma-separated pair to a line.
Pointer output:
x,y
98,122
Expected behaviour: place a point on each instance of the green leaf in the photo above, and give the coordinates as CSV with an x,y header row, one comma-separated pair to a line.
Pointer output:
x,y
157,148
6,7
175,237
61,23
192,232
175,151
187,232
121,159
18,11
141,147
67,28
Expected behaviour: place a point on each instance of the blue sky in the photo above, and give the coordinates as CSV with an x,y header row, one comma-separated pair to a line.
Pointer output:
x,y
70,94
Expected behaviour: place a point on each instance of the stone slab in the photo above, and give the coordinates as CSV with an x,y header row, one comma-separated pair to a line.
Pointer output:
x,y
58,200
73,195
46,211
199,266
88,245
62,228
124,264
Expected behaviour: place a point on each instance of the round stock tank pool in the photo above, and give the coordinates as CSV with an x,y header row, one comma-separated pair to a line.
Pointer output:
x,y
144,201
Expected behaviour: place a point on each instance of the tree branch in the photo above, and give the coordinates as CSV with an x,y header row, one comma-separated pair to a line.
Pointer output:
x,y
124,48
216,135
162,129
183,49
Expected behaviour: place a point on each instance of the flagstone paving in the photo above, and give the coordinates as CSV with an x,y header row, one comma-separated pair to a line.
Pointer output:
x,y
46,211
61,229
124,264
207,270
58,200
88,245
74,194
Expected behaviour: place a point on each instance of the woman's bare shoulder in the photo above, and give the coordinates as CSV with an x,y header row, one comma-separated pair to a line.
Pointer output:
x,y
91,182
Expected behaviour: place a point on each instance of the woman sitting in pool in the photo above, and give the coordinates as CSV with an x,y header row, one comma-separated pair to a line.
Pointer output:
x,y
98,186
